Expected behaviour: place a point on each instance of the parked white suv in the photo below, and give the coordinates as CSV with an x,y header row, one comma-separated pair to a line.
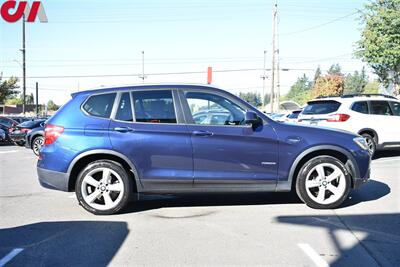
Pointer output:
x,y
376,117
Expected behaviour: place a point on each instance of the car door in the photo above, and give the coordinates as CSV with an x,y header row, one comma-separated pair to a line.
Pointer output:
x,y
226,152
395,121
383,119
154,138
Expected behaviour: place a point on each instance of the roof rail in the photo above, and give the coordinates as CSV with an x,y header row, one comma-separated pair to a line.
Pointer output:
x,y
368,95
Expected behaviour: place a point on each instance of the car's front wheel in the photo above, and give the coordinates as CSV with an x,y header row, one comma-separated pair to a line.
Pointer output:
x,y
323,183
103,187
371,142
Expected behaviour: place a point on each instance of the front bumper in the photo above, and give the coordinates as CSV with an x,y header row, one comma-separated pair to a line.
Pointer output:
x,y
361,181
53,180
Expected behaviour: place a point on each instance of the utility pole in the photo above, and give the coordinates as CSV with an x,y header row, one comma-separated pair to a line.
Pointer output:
x,y
37,99
143,76
274,22
264,77
23,66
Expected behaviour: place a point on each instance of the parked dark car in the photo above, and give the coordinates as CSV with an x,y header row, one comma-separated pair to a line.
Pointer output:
x,y
34,139
8,122
4,131
18,133
108,144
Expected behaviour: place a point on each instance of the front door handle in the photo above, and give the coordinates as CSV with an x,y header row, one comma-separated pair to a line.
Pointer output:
x,y
124,129
202,133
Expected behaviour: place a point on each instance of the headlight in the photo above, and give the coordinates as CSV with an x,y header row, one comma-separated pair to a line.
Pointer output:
x,y
360,141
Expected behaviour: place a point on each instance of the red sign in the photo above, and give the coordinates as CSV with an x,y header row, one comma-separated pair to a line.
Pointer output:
x,y
13,11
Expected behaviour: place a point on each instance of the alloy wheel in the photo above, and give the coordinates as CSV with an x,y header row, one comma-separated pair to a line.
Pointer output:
x,y
37,145
102,189
325,183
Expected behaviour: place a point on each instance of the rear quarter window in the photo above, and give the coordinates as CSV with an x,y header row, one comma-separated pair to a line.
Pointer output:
x,y
100,105
321,107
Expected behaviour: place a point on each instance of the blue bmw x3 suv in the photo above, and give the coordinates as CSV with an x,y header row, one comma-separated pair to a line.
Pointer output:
x,y
108,144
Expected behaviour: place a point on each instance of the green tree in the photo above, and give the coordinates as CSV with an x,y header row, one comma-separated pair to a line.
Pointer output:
x,y
355,83
300,91
251,98
51,106
371,88
8,89
379,45
317,74
29,99
335,69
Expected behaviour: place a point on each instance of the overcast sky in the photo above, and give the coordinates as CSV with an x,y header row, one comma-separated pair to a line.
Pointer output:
x,y
97,38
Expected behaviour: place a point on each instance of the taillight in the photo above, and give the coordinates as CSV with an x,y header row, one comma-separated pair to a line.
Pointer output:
x,y
338,118
51,133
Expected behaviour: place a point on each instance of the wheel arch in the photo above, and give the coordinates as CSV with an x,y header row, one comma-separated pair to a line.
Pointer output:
x,y
369,131
85,158
329,150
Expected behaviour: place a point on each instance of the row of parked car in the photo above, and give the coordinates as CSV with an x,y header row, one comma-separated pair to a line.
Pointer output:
x,y
376,117
23,131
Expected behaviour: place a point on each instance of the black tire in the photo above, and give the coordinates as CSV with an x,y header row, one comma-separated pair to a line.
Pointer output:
x,y
20,143
371,141
114,166
37,143
305,171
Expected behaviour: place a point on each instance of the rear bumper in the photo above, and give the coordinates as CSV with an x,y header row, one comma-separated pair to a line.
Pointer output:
x,y
53,180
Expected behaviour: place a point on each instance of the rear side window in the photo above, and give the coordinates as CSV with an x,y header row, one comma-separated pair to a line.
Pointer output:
x,y
124,111
294,115
361,107
396,108
154,106
380,108
321,107
100,105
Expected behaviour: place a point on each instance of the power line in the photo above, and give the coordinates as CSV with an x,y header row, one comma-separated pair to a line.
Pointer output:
x,y
319,25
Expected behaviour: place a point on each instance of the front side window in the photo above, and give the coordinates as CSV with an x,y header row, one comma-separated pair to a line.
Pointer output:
x,y
361,107
124,111
396,108
100,105
210,109
154,106
380,108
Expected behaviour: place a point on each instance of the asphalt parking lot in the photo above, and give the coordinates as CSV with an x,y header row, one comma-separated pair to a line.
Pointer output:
x,y
40,227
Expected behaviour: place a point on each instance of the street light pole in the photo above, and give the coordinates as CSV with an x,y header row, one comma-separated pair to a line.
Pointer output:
x,y
264,77
23,50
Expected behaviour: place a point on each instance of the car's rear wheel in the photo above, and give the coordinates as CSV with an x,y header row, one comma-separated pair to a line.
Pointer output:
x,y
103,187
20,143
323,183
37,144
371,142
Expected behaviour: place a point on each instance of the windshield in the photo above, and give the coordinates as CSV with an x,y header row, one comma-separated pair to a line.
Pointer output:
x,y
321,107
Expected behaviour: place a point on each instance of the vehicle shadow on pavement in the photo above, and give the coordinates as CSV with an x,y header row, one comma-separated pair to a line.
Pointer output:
x,y
386,154
369,192
377,238
150,202
72,243
373,190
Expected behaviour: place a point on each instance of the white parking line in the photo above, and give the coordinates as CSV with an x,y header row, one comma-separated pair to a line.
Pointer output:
x,y
10,256
313,255
72,196
10,151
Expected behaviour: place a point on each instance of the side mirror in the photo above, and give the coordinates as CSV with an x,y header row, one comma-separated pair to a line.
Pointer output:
x,y
251,118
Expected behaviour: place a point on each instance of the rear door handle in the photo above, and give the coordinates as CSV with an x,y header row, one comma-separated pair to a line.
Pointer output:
x,y
202,133
124,129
